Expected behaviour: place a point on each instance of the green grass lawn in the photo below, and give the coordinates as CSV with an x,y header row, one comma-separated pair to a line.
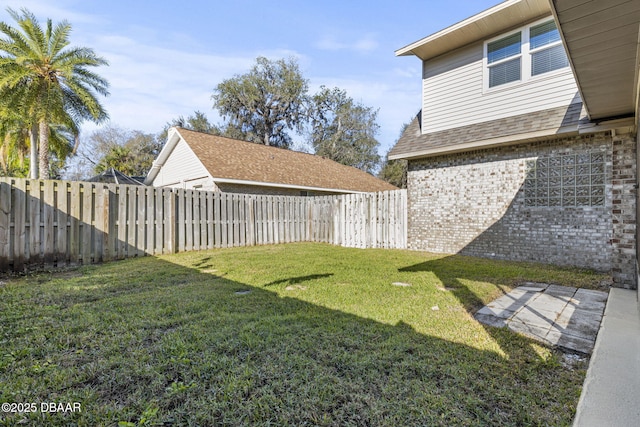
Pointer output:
x,y
321,338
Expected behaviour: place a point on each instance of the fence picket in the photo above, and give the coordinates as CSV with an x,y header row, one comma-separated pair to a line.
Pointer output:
x,y
99,219
86,224
216,220
121,241
74,222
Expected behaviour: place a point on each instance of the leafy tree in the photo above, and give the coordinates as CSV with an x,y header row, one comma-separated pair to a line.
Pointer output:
x,y
395,171
197,122
132,152
262,104
47,82
343,130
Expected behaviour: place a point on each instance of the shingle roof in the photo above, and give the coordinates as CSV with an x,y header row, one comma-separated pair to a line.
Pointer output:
x,y
227,158
112,176
556,120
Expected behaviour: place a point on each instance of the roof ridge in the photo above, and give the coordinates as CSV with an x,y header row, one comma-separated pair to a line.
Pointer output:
x,y
258,144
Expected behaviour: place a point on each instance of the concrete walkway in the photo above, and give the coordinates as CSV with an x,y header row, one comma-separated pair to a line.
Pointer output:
x,y
555,315
611,392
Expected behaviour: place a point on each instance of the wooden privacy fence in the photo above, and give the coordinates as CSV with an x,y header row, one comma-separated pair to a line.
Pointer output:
x,y
54,223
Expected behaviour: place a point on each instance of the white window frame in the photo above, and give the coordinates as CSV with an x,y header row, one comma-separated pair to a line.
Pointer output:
x,y
525,57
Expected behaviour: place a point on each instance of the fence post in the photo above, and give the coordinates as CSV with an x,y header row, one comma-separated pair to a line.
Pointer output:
x,y
251,225
19,224
169,237
74,223
5,227
120,194
87,211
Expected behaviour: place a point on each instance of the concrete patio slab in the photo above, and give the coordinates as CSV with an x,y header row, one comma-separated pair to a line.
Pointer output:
x,y
556,315
533,286
491,320
498,312
536,318
548,302
581,323
557,290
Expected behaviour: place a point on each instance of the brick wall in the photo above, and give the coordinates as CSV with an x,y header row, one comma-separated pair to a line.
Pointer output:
x,y
478,203
623,201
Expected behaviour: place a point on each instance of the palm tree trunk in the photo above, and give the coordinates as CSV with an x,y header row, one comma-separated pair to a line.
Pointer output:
x,y
44,150
33,159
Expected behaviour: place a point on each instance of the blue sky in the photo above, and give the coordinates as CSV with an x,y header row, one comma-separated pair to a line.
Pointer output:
x,y
166,57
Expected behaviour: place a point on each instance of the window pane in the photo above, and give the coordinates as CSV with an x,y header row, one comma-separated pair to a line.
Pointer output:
x,y
503,48
543,34
549,59
504,73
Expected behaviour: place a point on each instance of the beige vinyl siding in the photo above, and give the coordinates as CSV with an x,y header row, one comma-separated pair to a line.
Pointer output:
x,y
183,169
454,96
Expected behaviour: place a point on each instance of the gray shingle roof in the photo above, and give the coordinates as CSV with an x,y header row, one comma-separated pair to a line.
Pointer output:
x,y
113,176
227,158
559,120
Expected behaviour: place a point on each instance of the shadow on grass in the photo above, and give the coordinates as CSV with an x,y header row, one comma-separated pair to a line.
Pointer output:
x,y
299,279
185,349
452,271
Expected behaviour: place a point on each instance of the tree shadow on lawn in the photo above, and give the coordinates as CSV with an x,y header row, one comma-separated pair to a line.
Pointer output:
x,y
189,350
298,280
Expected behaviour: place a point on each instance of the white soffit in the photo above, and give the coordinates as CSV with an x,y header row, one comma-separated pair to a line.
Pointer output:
x,y
602,40
502,17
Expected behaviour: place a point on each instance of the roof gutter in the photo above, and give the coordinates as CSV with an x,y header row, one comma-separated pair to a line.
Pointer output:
x,y
278,185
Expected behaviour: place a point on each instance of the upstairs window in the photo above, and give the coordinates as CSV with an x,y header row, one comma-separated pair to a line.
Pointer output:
x,y
531,51
545,47
503,59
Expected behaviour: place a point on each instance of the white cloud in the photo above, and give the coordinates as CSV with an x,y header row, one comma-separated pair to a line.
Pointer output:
x,y
364,44
46,9
408,72
151,85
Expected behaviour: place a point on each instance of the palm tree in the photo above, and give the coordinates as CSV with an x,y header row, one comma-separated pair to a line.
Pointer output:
x,y
15,142
119,158
46,81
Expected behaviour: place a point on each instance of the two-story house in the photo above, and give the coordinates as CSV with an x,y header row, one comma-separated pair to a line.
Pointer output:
x,y
525,145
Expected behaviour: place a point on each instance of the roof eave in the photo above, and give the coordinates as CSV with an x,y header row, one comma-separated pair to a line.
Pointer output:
x,y
593,53
501,17
281,185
